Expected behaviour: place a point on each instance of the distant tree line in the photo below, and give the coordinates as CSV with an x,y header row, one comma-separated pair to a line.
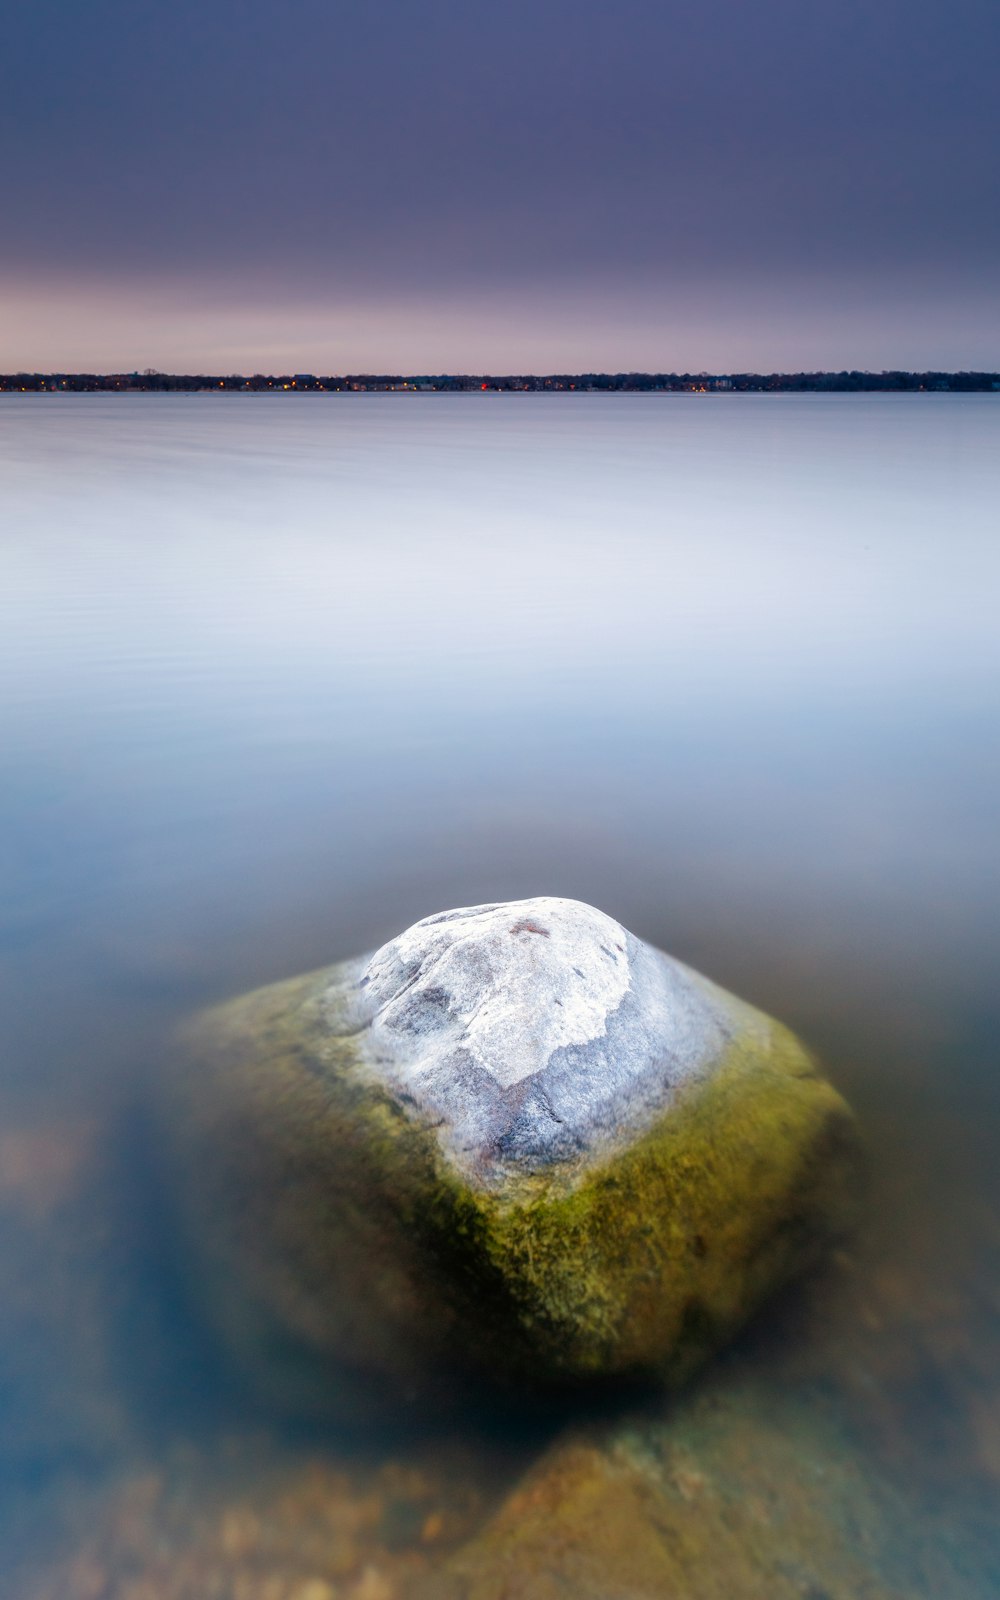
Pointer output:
x,y
586,382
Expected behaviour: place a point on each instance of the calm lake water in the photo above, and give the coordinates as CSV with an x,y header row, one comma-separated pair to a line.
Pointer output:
x,y
280,675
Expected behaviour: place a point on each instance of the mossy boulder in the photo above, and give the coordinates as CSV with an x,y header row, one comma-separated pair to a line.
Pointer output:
x,y
515,1144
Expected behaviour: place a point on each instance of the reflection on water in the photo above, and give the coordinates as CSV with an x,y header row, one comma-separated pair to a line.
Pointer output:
x,y
278,677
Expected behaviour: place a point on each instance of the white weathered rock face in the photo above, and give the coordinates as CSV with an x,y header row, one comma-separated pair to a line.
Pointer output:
x,y
535,1030
512,983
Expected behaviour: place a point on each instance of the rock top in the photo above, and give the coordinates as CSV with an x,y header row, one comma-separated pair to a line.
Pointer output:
x,y
531,1031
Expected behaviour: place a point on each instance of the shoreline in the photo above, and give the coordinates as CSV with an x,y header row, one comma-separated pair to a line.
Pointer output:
x,y
854,382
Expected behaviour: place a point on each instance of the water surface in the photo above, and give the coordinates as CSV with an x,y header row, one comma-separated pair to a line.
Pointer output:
x,y
279,675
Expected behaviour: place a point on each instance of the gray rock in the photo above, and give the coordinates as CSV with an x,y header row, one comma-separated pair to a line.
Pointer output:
x,y
530,1032
516,1141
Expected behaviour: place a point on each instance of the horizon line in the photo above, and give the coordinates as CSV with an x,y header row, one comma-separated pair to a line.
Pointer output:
x,y
153,379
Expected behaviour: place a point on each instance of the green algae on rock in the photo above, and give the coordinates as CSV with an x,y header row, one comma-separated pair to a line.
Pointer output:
x,y
517,1144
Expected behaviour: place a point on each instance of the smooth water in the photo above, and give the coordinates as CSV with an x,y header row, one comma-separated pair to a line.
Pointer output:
x,y
280,675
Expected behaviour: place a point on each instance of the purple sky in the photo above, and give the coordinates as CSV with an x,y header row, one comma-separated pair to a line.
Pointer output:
x,y
535,184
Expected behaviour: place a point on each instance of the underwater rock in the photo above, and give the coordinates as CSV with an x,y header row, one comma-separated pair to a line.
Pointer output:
x,y
742,1491
515,1143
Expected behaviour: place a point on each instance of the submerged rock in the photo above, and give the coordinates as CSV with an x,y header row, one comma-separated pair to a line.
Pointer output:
x,y
516,1142
743,1491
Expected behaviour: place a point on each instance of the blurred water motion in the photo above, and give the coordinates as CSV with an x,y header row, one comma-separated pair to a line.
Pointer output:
x,y
279,676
